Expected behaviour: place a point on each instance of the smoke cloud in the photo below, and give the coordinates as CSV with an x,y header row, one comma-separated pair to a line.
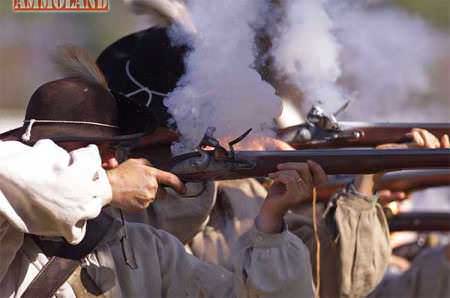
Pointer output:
x,y
306,51
376,54
328,49
221,88
387,57
432,199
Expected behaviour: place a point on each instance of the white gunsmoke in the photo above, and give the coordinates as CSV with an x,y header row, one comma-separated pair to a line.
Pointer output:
x,y
220,87
387,56
307,53
378,53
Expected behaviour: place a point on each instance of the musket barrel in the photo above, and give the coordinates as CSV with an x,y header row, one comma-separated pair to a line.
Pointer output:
x,y
334,161
414,180
420,222
407,181
351,161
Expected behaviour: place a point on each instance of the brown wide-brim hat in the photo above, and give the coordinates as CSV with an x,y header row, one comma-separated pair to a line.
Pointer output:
x,y
71,110
67,133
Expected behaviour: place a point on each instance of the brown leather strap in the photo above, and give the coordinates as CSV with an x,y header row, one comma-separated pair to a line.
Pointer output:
x,y
64,258
96,230
51,277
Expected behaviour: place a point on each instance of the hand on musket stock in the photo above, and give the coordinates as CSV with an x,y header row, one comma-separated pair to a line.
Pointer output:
x,y
292,185
134,184
420,138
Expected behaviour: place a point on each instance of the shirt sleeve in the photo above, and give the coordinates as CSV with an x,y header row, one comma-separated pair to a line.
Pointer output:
x,y
265,265
272,265
46,191
238,203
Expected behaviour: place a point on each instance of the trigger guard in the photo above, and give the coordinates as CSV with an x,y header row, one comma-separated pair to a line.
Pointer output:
x,y
196,194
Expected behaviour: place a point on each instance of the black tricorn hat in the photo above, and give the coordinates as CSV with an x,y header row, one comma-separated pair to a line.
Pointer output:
x,y
141,69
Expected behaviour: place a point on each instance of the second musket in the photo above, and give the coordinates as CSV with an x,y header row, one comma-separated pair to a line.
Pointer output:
x,y
321,130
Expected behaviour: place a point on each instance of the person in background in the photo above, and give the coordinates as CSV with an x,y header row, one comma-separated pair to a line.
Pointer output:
x,y
429,273
142,68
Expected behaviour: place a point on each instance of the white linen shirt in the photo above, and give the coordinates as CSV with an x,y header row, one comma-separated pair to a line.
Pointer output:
x,y
47,191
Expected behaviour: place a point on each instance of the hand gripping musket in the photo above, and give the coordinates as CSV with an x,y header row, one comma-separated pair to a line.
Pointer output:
x,y
218,163
324,131
407,181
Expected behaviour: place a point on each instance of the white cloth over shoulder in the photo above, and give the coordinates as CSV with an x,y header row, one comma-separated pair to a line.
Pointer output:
x,y
47,191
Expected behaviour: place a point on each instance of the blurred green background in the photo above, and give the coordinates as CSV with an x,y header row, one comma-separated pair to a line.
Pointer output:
x,y
435,11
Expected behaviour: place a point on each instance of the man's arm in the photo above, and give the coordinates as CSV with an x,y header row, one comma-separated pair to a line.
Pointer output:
x,y
47,191
50,192
268,260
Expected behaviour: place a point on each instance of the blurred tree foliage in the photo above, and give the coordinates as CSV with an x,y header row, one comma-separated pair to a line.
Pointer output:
x,y
435,11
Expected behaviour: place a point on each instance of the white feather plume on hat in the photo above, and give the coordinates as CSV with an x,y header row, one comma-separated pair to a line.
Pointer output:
x,y
75,61
163,12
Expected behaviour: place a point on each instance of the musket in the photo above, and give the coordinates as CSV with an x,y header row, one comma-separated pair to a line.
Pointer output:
x,y
407,181
218,163
321,130
420,222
